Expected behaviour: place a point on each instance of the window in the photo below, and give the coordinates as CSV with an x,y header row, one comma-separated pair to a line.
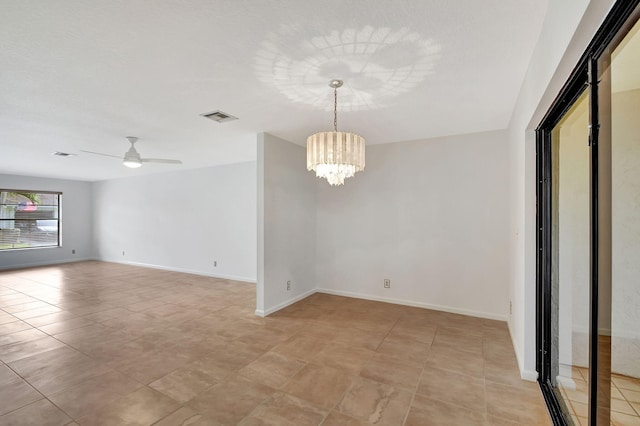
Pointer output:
x,y
29,219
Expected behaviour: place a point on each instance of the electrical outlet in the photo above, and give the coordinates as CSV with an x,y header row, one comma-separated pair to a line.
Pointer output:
x,y
73,251
387,283
288,285
510,308
215,263
123,252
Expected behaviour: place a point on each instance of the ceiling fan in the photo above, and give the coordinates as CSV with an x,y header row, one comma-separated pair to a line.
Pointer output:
x,y
132,158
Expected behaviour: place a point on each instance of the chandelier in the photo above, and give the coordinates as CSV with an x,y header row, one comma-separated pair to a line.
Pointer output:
x,y
335,155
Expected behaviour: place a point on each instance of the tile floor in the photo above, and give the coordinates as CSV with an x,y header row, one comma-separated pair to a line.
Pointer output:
x,y
625,399
96,343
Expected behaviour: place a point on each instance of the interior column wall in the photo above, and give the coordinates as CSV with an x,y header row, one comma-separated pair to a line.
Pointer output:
x,y
286,224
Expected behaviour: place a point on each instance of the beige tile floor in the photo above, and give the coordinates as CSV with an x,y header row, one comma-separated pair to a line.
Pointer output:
x,y
96,343
625,399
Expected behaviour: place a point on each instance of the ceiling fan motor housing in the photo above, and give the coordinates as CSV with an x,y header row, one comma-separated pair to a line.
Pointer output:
x,y
132,158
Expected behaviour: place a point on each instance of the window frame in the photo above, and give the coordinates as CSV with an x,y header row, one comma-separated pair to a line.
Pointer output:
x,y
58,242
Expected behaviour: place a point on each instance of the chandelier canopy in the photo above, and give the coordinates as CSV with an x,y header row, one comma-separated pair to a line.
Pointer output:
x,y
335,155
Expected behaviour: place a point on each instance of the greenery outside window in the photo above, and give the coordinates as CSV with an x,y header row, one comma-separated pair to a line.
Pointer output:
x,y
29,219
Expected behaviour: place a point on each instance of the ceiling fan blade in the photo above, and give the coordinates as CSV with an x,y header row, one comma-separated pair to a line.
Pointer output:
x,y
160,160
99,153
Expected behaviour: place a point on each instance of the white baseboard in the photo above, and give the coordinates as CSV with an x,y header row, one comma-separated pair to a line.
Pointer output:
x,y
266,312
617,334
414,304
186,271
46,263
566,382
529,375
605,331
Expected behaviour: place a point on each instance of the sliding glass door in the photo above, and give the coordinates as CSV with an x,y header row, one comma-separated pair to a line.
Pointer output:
x,y
570,267
588,195
619,333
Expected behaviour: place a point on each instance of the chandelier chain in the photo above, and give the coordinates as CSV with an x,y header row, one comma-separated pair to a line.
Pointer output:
x,y
335,109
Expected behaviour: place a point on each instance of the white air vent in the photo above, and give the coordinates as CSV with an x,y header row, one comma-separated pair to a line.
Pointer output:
x,y
62,154
219,116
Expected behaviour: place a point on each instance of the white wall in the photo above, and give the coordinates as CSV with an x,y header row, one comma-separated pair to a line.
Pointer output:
x,y
568,28
76,222
428,215
287,223
181,221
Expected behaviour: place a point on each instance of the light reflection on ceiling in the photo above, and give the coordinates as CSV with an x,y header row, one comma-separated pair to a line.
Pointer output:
x,y
376,64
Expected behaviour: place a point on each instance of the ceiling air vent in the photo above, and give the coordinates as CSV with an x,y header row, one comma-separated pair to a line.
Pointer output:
x,y
219,116
62,154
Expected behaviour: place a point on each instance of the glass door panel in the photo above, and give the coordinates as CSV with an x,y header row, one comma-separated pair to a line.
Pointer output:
x,y
623,331
570,269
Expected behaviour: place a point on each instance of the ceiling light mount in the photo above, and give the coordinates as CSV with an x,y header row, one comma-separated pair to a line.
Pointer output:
x,y
132,158
335,155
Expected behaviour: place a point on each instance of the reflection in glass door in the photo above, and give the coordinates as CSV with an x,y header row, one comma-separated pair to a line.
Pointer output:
x,y
619,331
570,259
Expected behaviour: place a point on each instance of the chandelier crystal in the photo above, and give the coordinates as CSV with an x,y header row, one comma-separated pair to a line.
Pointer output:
x,y
335,155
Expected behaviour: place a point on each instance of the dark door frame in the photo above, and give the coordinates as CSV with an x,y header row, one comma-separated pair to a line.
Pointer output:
x,y
584,74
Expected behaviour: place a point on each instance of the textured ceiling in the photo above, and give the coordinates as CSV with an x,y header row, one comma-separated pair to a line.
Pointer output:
x,y
78,75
